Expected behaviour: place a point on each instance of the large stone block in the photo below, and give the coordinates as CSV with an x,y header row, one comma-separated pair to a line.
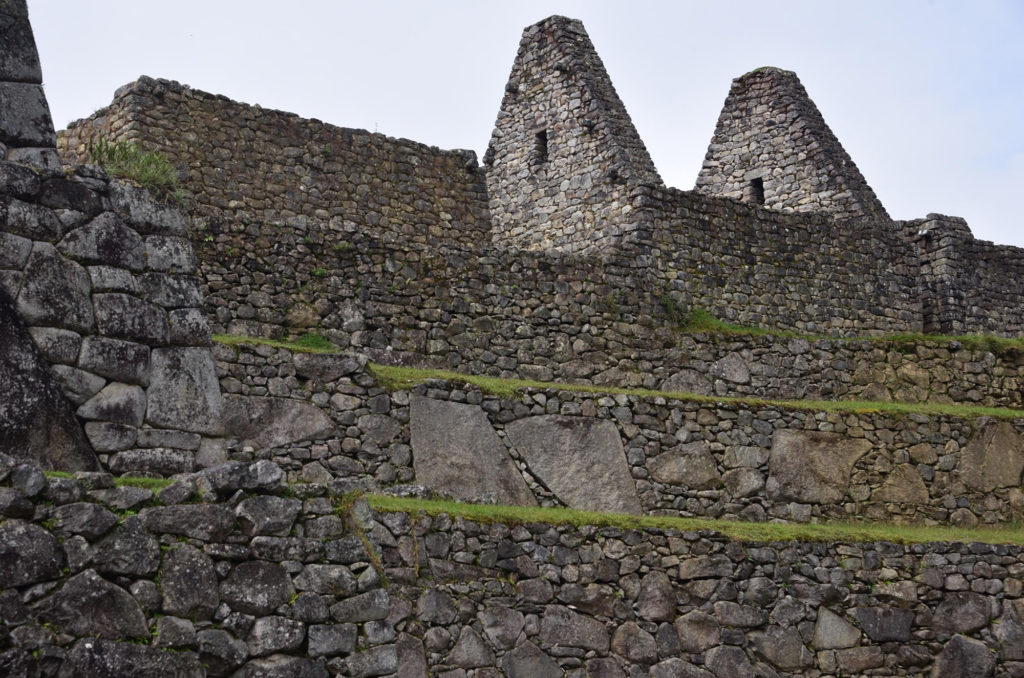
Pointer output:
x,y
170,254
138,208
106,241
55,292
171,291
89,605
691,465
964,657
993,458
14,251
19,60
189,583
57,345
29,220
26,120
121,360
456,451
184,392
37,422
28,554
811,466
266,423
92,658
118,403
580,459
126,317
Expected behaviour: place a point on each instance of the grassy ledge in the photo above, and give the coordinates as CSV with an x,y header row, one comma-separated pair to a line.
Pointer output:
x,y
307,343
739,531
154,484
402,378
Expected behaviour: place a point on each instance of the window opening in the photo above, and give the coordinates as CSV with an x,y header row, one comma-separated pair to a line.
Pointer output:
x,y
757,191
540,146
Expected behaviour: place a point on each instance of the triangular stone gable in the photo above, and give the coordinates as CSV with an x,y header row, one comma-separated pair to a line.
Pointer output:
x,y
564,152
772,147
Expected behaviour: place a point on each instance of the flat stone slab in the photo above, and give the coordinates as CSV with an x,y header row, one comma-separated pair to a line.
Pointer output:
x,y
812,466
456,451
265,423
993,458
184,393
580,459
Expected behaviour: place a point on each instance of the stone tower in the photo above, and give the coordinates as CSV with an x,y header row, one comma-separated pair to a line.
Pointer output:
x,y
564,154
772,147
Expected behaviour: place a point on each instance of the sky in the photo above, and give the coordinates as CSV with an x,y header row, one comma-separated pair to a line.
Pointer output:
x,y
927,96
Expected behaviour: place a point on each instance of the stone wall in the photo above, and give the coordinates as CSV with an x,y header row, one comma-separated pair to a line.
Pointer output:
x,y
321,417
231,572
564,153
772,147
248,163
103,276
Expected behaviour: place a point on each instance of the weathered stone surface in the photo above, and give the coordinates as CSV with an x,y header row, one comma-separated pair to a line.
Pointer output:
x,y
502,626
691,465
657,600
470,650
832,632
326,367
782,648
17,180
231,476
28,554
273,422
112,279
30,220
705,567
331,639
903,485
329,580
55,292
184,393
964,657
107,241
633,643
20,60
1010,630
89,605
128,550
189,583
26,120
77,385
163,461
92,658
743,482
136,206
220,652
412,659
674,667
169,254
811,466
275,634
369,606
36,421
688,381
961,612
116,359
697,631
436,607
883,624
562,626
127,317
281,666
267,514
84,518
57,345
561,450
456,451
14,251
729,662
993,458
529,661
731,368
376,661
208,523
189,327
256,587
118,403
171,291
174,632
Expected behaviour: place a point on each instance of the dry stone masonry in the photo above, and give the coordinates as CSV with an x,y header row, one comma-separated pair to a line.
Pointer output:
x,y
562,257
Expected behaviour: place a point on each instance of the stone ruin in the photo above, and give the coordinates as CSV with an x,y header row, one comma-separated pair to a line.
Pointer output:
x,y
561,257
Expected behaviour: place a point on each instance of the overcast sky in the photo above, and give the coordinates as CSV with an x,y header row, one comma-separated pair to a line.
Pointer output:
x,y
926,96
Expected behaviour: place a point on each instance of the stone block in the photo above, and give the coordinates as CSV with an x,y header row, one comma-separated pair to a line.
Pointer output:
x,y
57,345
456,451
26,120
19,60
28,554
188,582
994,457
189,327
561,451
118,403
77,385
116,359
126,317
171,291
147,216
105,241
14,251
163,461
111,279
170,254
256,587
29,220
89,605
266,423
184,393
55,292
110,437
17,180
812,467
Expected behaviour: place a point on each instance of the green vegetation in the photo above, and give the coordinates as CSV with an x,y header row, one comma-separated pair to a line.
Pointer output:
x,y
319,272
125,160
740,531
154,484
310,342
403,378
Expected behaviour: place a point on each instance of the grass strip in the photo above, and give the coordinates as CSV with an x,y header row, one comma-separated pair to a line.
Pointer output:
x,y
739,531
403,378
307,343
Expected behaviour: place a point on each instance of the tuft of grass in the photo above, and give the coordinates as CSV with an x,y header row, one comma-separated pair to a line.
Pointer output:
x,y
307,343
149,169
124,481
739,531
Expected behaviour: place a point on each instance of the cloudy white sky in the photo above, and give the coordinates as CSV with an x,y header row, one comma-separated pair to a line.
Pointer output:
x,y
926,96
